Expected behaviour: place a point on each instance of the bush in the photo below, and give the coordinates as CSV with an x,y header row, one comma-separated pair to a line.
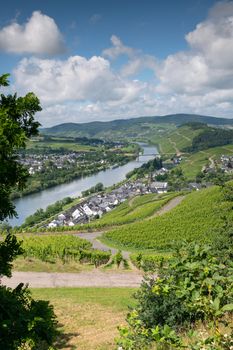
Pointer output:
x,y
196,285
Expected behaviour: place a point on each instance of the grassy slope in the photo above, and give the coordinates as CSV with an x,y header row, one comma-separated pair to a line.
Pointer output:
x,y
198,217
89,316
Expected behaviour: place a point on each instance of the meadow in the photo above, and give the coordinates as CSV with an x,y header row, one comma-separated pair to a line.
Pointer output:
x,y
89,317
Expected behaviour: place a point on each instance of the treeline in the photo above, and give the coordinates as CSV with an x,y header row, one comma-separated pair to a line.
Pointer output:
x,y
150,166
94,189
210,137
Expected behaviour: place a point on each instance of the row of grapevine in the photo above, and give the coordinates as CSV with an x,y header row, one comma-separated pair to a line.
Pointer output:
x,y
65,248
200,215
148,262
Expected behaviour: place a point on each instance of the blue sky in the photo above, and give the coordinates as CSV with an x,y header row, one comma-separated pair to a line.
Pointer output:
x,y
103,60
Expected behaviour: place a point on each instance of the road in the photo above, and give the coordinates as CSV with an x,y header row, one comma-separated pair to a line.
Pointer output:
x,y
83,279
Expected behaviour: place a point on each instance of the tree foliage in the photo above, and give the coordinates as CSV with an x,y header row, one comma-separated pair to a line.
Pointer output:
x,y
196,285
16,125
24,322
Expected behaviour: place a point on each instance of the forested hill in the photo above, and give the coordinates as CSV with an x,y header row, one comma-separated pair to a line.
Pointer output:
x,y
97,129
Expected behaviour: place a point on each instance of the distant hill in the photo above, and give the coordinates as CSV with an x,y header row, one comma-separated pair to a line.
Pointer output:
x,y
129,127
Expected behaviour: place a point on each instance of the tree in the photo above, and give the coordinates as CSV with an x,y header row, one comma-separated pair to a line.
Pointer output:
x,y
23,321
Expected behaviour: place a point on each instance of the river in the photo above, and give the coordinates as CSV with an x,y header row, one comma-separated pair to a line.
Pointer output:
x,y
27,205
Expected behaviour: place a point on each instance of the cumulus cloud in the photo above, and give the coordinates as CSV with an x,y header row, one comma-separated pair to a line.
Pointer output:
x,y
118,49
197,80
39,35
74,79
207,66
138,61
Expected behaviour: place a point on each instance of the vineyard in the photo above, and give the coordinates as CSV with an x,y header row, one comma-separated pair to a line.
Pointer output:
x,y
133,210
199,217
176,139
65,248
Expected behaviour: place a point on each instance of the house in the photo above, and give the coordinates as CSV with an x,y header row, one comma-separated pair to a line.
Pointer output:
x,y
195,186
76,214
159,187
87,210
53,224
61,217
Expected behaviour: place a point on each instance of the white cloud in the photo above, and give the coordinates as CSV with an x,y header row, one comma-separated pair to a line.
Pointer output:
x,y
39,35
74,79
118,49
138,61
208,64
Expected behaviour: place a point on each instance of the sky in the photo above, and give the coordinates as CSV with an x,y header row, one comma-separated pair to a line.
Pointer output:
x,y
115,59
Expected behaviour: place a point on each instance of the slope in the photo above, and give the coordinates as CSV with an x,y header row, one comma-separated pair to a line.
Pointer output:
x,y
200,216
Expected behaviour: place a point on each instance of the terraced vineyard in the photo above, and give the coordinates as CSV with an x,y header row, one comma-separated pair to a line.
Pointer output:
x,y
176,139
199,217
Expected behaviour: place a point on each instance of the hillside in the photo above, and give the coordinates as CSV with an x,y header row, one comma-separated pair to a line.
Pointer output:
x,y
199,217
133,127
176,140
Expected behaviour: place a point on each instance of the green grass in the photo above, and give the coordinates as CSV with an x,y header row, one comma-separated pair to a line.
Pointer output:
x,y
37,265
198,217
117,298
89,317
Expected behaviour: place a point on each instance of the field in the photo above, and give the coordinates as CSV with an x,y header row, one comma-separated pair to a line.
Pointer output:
x,y
89,316
198,217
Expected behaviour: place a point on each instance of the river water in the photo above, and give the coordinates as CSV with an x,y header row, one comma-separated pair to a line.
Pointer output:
x,y
27,205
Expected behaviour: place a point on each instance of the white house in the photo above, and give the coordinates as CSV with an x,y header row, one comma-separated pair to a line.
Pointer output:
x,y
76,214
87,210
159,187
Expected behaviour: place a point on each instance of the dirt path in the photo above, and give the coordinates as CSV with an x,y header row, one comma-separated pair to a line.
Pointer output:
x,y
93,238
167,207
178,153
83,279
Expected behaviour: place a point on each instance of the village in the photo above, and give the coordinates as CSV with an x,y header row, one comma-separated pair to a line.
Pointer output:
x,y
36,163
95,206
226,163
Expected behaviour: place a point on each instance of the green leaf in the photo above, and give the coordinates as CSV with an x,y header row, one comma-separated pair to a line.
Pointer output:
x,y
227,307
